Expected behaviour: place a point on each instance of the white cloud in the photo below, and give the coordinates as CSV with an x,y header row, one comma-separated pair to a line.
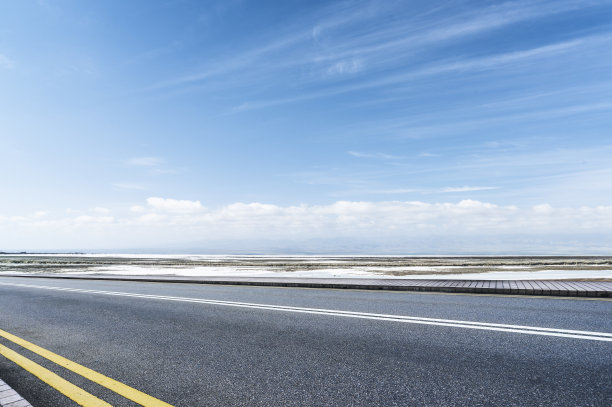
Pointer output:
x,y
151,218
100,209
397,218
145,161
93,219
174,205
542,208
405,224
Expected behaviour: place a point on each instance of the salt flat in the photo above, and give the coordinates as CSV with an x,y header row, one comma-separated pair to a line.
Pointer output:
x,y
402,267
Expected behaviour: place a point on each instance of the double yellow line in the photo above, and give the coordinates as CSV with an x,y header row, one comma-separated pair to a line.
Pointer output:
x,y
68,389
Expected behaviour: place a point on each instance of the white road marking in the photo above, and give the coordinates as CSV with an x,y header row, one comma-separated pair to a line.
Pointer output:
x,y
530,330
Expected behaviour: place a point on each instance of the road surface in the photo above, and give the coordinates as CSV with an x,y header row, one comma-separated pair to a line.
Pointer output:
x,y
199,345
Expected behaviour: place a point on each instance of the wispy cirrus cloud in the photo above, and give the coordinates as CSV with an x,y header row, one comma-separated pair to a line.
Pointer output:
x,y
415,74
432,26
236,62
331,42
461,120
496,60
153,165
345,67
384,156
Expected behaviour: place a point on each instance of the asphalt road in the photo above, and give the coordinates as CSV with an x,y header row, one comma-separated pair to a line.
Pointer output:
x,y
218,353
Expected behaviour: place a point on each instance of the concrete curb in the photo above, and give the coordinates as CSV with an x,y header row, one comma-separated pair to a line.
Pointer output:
x,y
10,398
562,288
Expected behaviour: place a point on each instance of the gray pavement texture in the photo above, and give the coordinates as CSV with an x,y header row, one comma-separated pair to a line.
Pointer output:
x,y
193,354
517,287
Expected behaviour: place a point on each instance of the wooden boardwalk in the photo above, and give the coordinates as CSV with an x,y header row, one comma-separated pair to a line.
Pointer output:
x,y
563,288
10,398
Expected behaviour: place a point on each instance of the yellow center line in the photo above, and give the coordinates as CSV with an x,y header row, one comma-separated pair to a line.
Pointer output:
x,y
68,389
118,387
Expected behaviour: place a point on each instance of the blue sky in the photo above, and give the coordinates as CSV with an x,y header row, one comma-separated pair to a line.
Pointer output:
x,y
174,124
